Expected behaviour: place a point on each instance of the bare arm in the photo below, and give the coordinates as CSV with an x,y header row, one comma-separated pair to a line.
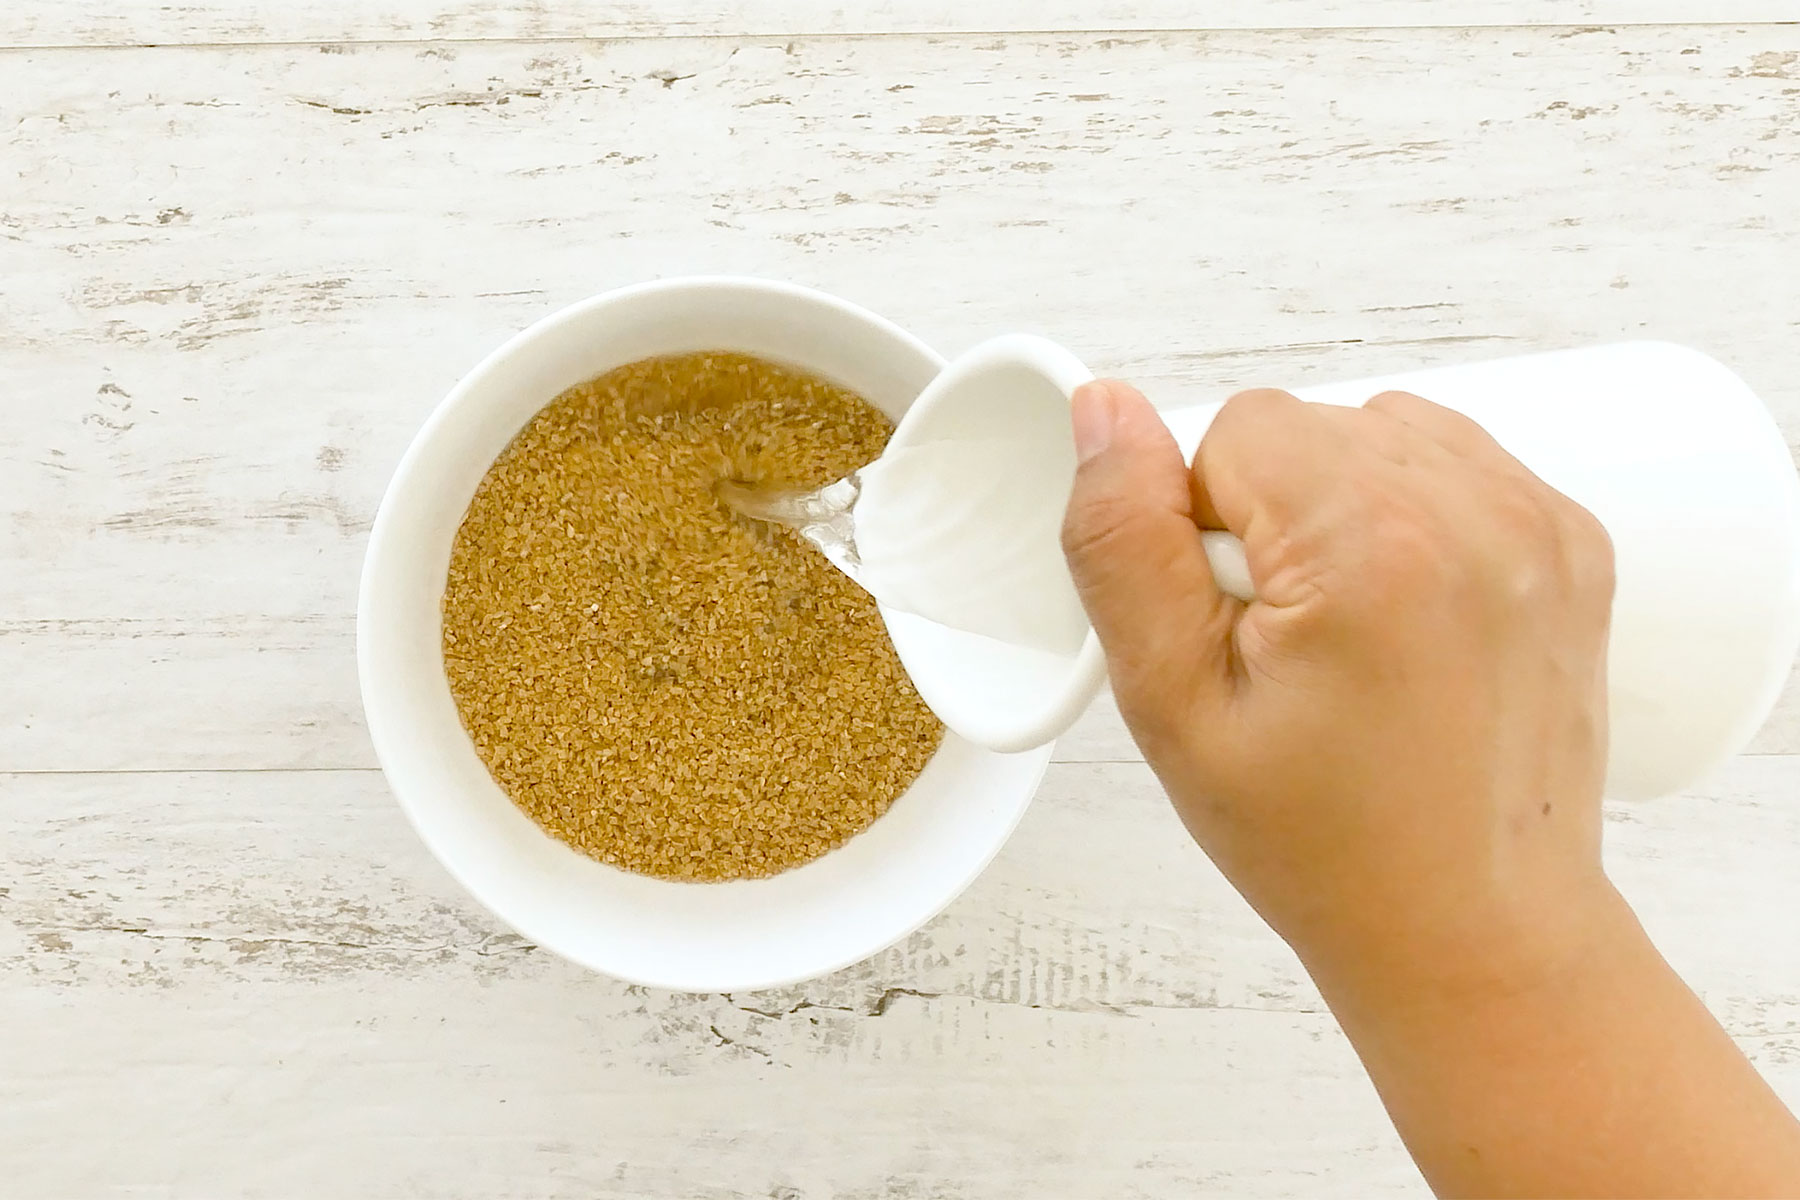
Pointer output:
x,y
1396,753
1601,1076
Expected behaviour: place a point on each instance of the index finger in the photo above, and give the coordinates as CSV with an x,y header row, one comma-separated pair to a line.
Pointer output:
x,y
1267,459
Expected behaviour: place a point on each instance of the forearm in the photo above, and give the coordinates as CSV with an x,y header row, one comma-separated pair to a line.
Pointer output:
x,y
1604,1076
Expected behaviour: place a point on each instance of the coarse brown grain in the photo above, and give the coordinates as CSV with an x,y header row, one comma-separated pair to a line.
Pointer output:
x,y
657,682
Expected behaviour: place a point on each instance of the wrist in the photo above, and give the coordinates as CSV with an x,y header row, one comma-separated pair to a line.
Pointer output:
x,y
1502,951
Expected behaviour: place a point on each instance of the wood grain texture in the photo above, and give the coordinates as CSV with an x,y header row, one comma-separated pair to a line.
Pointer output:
x,y
233,281
41,23
236,280
1112,1021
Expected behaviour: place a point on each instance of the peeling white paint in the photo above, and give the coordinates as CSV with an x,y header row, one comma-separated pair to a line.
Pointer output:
x,y
233,281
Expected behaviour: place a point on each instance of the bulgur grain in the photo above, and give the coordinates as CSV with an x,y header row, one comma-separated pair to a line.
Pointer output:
x,y
659,683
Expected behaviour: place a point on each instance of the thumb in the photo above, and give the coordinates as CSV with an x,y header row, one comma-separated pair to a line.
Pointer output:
x,y
1134,550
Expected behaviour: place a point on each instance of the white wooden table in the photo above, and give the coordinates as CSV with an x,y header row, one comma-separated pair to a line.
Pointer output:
x,y
244,248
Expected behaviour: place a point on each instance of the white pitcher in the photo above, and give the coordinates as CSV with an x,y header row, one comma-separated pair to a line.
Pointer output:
x,y
1670,450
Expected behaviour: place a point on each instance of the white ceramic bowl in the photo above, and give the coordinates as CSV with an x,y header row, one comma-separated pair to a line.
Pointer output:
x,y
851,903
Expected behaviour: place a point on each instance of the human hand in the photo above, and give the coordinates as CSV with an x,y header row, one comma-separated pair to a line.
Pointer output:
x,y
1396,752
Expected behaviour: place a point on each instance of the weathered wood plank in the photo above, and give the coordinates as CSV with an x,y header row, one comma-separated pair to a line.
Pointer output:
x,y
149,866
224,1024
151,22
138,693
232,282
247,693
402,1091
235,280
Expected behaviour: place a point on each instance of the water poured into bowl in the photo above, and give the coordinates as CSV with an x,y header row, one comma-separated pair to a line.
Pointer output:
x,y
947,531
955,532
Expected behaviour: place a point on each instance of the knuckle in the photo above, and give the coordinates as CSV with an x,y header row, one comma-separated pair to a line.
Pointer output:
x,y
1395,401
1255,405
1251,397
1561,554
1586,531
1588,549
1517,544
1533,579
1525,515
1451,428
1530,564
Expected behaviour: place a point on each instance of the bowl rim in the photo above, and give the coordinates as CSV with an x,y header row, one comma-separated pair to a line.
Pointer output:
x,y
382,719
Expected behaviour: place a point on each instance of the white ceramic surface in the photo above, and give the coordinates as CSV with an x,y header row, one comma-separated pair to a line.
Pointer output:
x,y
694,937
1010,396
1669,449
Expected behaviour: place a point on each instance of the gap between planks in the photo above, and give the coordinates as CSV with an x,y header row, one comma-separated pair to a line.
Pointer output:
x,y
1566,29
83,772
